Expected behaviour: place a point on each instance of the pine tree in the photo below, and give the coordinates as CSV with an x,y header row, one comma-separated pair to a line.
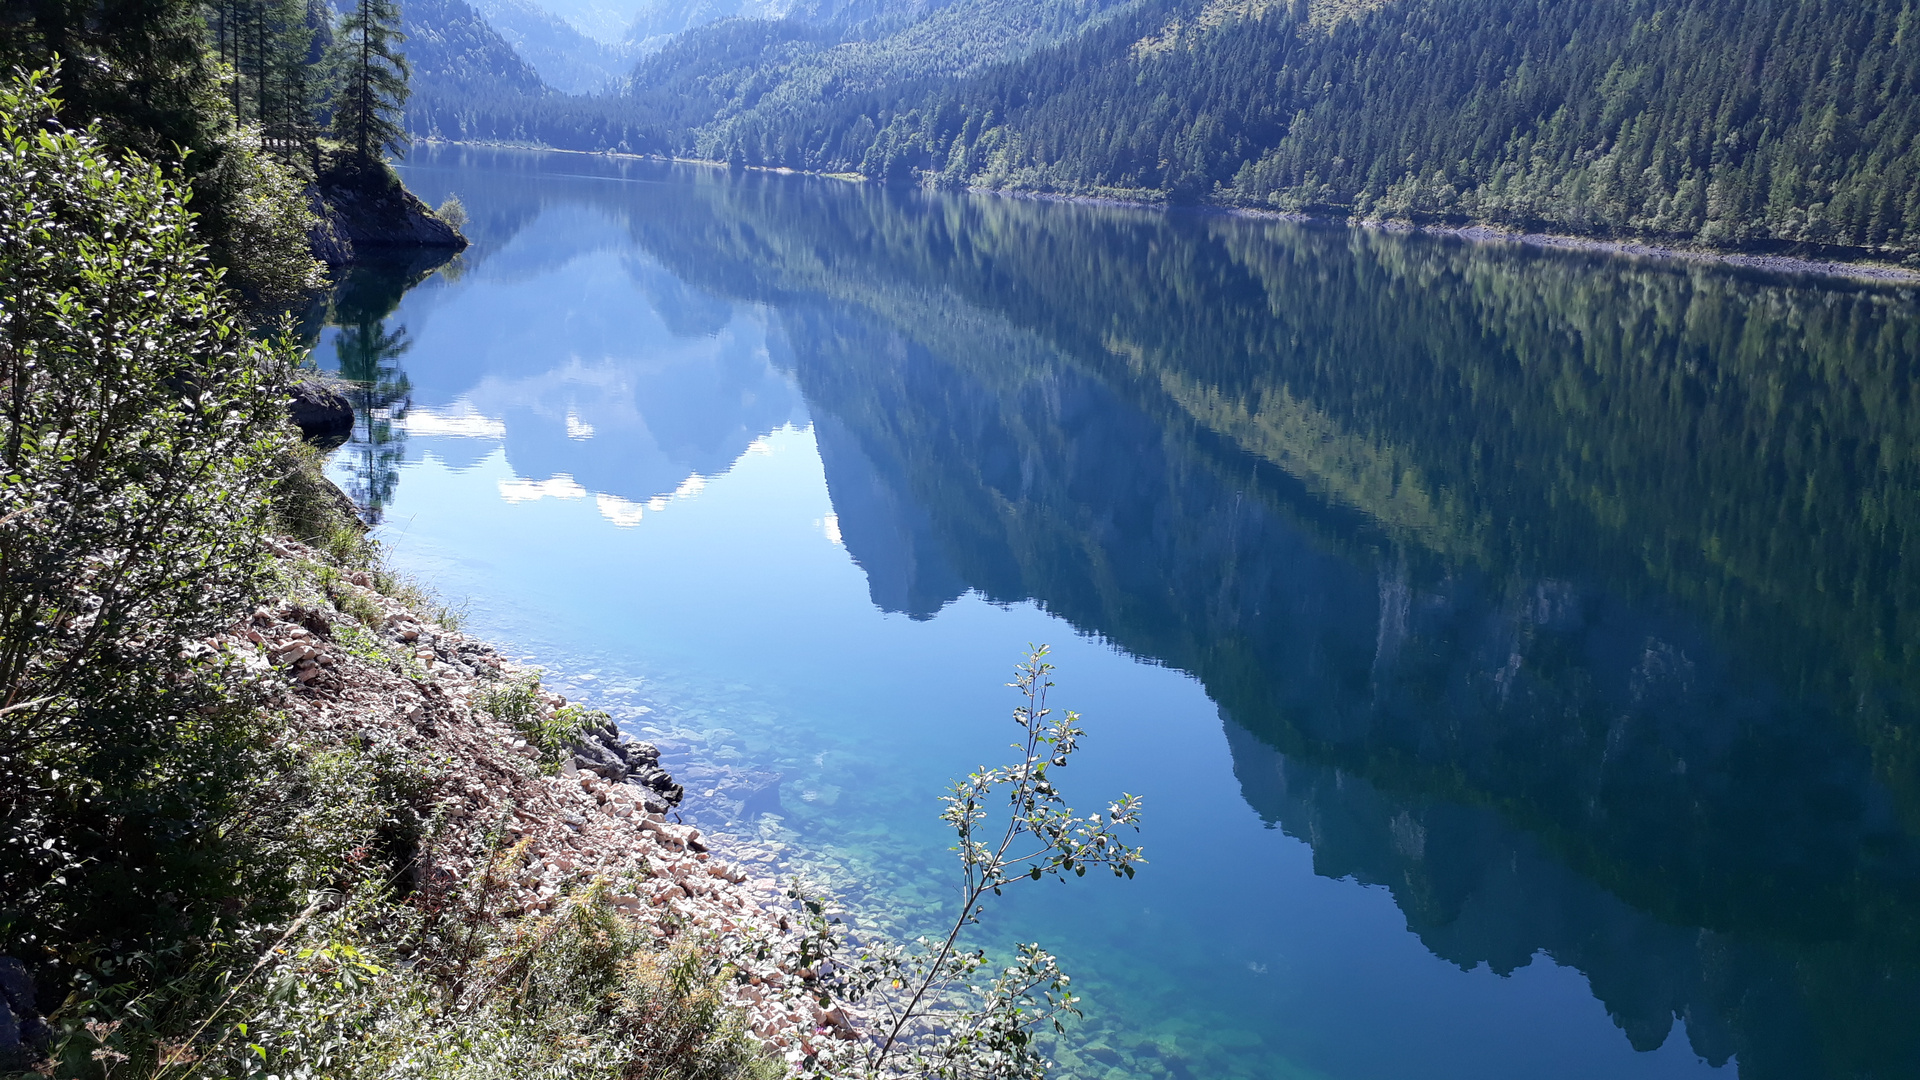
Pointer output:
x,y
368,103
288,82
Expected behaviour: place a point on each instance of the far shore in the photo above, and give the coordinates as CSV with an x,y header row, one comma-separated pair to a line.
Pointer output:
x,y
1877,273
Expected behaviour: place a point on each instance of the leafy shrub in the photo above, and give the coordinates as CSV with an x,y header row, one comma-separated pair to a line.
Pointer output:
x,y
453,211
259,221
1011,825
138,425
520,703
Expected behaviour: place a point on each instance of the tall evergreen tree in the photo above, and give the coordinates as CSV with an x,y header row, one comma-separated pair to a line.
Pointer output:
x,y
368,103
289,82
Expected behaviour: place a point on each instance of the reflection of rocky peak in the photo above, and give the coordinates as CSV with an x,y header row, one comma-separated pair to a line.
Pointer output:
x,y
686,310
891,539
1530,543
1478,891
1595,777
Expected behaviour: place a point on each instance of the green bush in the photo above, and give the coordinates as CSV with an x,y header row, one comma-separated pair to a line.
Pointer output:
x,y
453,212
520,703
139,421
258,220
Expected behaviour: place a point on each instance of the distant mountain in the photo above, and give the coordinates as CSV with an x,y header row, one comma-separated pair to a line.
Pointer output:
x,y
605,21
736,87
454,50
657,21
567,59
470,84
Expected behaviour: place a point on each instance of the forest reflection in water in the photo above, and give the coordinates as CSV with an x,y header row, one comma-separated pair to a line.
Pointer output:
x,y
1563,596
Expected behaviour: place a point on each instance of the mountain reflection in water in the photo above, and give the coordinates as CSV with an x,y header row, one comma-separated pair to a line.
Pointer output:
x,y
1565,597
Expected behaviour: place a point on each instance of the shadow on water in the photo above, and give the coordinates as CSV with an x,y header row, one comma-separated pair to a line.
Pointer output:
x,y
1565,597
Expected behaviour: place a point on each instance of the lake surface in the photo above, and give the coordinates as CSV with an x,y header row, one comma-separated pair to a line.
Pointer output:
x,y
1518,651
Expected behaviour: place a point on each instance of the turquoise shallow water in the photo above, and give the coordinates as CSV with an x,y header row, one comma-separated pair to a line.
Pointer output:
x,y
1514,650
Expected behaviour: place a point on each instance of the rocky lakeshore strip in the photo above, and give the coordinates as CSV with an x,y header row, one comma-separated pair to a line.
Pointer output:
x,y
601,822
1874,272
1864,269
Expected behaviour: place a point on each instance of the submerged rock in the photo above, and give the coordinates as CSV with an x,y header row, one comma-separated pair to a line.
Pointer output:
x,y
322,413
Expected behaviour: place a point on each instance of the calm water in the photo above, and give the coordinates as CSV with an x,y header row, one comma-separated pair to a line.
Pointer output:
x,y
1516,650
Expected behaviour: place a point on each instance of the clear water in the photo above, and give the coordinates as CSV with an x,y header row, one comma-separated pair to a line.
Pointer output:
x,y
1516,650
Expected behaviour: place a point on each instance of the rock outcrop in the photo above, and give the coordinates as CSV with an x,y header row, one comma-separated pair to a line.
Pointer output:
x,y
368,211
322,413
605,752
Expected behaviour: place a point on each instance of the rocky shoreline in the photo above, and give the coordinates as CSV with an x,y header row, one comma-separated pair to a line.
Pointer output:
x,y
600,824
1863,271
1877,273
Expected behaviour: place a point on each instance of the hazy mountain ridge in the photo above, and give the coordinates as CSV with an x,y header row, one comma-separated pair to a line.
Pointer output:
x,y
753,78
566,58
657,21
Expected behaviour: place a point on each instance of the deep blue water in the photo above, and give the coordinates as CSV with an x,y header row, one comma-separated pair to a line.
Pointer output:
x,y
1515,650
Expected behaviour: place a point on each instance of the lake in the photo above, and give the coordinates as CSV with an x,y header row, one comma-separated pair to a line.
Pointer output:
x,y
1517,650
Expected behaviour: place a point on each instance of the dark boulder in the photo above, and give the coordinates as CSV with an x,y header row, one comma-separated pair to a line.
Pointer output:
x,y
361,212
24,1037
322,413
602,749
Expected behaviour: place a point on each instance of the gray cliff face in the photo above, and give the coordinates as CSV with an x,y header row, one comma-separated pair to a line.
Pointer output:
x,y
357,217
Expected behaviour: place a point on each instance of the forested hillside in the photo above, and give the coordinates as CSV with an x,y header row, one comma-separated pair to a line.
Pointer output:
x,y
739,81
453,50
1750,122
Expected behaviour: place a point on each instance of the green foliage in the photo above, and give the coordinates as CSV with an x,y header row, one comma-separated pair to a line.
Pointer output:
x,y
137,431
309,508
1037,836
349,600
140,69
370,982
372,92
268,52
263,223
522,705
203,890
574,994
452,211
